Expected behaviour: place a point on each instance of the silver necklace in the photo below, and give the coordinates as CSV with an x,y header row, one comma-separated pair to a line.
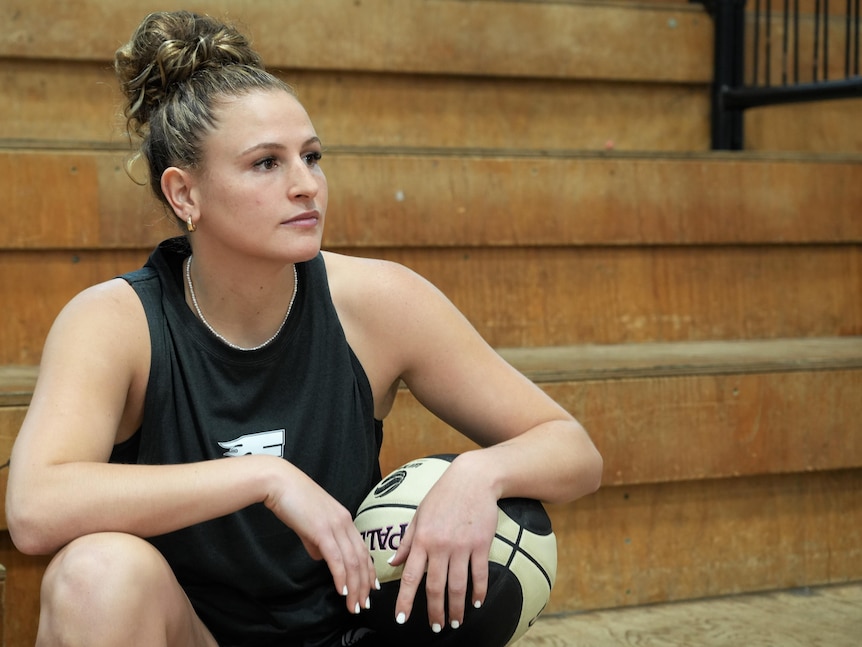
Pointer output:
x,y
215,332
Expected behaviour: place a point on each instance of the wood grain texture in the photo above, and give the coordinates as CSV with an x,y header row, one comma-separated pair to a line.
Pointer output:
x,y
806,128
35,287
468,199
23,579
541,296
659,42
560,296
430,111
571,199
626,546
627,361
387,110
661,430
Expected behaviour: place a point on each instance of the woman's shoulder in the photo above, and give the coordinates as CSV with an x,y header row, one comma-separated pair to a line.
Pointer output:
x,y
97,352
108,315
374,294
112,297
373,280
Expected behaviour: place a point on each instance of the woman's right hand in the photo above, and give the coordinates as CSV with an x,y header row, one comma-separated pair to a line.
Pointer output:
x,y
327,532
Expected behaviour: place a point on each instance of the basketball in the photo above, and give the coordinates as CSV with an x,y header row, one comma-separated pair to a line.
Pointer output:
x,y
522,563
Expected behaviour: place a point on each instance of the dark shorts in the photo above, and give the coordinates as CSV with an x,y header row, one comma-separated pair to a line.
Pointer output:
x,y
352,638
359,637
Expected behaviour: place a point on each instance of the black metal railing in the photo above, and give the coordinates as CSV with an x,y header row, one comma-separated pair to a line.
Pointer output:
x,y
770,52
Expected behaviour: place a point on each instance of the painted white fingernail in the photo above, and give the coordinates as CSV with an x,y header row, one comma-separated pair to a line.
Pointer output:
x,y
436,628
368,603
401,618
356,609
376,584
477,604
455,624
389,561
344,591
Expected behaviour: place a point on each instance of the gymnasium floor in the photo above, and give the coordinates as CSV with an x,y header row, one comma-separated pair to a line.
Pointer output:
x,y
816,617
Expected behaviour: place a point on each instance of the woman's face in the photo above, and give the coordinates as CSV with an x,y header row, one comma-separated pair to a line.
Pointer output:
x,y
261,189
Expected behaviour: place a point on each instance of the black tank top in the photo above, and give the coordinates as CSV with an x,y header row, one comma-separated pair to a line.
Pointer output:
x,y
305,397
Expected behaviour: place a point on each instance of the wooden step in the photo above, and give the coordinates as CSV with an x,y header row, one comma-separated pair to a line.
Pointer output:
x,y
421,111
469,198
408,110
458,38
672,248
727,409
553,296
457,74
582,83
543,296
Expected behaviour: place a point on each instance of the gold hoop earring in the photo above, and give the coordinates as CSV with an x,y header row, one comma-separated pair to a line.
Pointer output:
x,y
190,225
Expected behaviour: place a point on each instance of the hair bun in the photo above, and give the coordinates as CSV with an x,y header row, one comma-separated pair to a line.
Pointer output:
x,y
168,49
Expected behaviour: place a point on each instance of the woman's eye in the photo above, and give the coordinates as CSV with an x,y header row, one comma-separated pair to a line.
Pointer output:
x,y
268,163
312,158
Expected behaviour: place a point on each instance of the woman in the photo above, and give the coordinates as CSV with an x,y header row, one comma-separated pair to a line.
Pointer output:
x,y
243,340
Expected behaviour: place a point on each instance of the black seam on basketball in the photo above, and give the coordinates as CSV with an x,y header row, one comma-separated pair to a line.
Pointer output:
x,y
506,541
517,546
406,506
539,566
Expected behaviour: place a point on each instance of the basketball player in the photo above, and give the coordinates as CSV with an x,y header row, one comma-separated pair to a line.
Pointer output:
x,y
203,429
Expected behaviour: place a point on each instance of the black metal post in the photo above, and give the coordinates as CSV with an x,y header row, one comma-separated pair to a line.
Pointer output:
x,y
727,123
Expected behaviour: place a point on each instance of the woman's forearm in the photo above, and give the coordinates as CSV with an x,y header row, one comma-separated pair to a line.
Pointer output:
x,y
50,506
555,462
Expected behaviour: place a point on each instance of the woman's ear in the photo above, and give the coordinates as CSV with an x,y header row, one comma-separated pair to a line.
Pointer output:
x,y
177,185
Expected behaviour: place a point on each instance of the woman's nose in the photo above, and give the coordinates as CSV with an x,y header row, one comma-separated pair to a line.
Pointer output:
x,y
305,182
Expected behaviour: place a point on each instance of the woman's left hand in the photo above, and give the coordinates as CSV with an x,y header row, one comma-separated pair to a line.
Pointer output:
x,y
449,537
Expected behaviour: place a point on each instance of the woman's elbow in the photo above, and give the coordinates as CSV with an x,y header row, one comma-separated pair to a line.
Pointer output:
x,y
588,466
593,470
26,529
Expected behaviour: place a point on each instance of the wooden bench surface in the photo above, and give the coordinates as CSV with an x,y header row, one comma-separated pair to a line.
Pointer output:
x,y
669,42
615,361
16,384
619,361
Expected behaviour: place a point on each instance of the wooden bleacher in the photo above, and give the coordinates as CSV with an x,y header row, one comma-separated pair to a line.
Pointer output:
x,y
547,166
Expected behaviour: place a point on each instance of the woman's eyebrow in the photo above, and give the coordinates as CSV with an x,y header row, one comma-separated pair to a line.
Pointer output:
x,y
277,145
263,146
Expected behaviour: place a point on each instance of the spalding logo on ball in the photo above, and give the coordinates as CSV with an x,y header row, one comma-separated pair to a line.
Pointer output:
x,y
522,565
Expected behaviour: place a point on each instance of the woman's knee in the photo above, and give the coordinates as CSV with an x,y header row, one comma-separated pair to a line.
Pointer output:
x,y
100,576
111,589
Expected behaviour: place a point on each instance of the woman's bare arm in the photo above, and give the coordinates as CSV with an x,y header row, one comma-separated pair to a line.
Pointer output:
x,y
402,327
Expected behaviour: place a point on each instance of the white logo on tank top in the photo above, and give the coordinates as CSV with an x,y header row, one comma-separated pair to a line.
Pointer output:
x,y
270,443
